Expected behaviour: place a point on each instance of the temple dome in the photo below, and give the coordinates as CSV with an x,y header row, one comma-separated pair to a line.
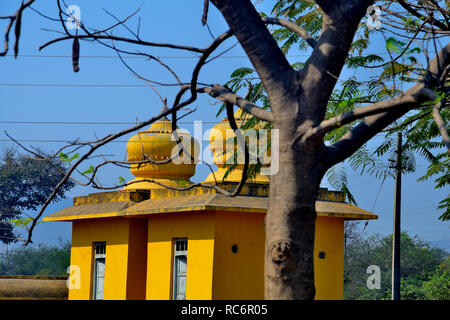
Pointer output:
x,y
218,137
159,144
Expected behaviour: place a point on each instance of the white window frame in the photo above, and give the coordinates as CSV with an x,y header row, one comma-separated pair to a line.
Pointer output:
x,y
177,252
99,253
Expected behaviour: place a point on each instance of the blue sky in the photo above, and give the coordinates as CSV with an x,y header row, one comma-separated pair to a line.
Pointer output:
x,y
40,86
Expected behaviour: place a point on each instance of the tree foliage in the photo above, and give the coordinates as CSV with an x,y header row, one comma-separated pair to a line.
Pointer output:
x,y
25,184
438,285
403,66
422,276
36,260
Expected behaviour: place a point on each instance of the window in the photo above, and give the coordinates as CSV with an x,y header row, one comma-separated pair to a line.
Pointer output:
x,y
179,269
99,270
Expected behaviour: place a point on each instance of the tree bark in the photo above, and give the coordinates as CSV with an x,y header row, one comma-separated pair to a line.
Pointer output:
x,y
290,221
298,103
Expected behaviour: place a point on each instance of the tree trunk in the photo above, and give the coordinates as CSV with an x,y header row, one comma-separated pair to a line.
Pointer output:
x,y
298,102
290,224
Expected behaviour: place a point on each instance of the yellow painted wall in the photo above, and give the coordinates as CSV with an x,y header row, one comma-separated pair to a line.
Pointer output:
x,y
117,233
139,249
198,228
329,272
239,275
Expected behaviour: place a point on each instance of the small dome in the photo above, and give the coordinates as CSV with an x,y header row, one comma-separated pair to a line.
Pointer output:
x,y
220,139
159,144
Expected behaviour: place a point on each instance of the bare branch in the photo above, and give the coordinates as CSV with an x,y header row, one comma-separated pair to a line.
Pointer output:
x,y
93,148
205,12
416,13
8,29
243,145
177,105
122,39
17,18
121,22
404,49
150,57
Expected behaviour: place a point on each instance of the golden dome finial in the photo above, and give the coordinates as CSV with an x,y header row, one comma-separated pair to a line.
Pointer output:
x,y
164,108
158,144
220,136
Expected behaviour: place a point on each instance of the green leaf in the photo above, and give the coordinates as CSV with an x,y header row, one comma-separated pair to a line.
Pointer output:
x,y
394,46
362,61
90,170
445,205
241,72
183,183
63,156
75,156
21,222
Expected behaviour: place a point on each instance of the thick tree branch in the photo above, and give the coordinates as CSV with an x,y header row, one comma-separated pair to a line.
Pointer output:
x,y
438,118
441,125
408,100
371,125
259,45
292,27
227,96
321,71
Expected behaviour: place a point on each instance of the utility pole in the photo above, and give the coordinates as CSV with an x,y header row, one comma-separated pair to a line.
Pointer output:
x,y
397,212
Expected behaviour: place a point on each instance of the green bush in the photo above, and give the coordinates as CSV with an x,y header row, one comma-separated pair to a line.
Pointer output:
x,y
424,275
36,260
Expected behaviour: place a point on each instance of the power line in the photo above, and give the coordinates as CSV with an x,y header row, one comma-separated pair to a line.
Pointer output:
x,y
47,140
72,141
166,57
76,85
92,122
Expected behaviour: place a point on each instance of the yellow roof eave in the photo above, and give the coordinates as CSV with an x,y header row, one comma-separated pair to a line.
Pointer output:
x,y
204,202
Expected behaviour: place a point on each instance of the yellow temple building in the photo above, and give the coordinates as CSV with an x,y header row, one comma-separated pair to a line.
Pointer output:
x,y
150,242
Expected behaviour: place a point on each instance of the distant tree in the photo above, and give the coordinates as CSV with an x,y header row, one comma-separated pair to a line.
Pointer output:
x,y
438,286
419,263
36,260
25,184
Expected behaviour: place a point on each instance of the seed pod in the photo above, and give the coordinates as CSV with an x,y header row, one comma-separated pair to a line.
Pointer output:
x,y
17,33
205,12
75,54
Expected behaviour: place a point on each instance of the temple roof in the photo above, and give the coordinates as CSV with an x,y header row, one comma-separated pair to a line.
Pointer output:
x,y
145,202
143,197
